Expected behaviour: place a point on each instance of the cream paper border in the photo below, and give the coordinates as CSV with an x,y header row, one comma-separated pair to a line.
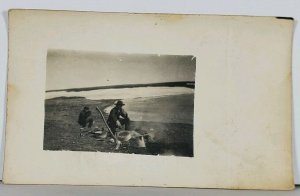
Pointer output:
x,y
242,134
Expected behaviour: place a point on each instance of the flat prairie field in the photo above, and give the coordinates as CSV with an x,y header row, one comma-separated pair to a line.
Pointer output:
x,y
168,118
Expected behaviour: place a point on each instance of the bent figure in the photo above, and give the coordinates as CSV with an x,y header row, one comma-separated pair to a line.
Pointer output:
x,y
85,118
118,117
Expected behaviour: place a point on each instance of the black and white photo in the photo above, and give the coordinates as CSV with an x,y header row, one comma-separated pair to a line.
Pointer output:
x,y
117,102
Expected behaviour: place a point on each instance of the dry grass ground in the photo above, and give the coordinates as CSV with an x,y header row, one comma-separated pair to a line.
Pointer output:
x,y
61,130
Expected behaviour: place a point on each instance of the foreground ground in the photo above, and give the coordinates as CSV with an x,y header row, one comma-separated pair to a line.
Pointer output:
x,y
62,131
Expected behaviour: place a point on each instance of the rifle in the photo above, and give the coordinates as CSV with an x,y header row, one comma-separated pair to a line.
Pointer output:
x,y
116,140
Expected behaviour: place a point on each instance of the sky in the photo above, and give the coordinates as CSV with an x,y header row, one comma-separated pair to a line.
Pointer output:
x,y
77,69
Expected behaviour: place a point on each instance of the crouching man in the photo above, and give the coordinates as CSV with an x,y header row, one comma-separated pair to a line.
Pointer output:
x,y
118,117
85,118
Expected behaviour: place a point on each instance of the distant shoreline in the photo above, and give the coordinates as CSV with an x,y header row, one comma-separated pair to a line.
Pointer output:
x,y
188,84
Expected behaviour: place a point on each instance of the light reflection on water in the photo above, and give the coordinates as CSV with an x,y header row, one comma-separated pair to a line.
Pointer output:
x,y
123,93
167,109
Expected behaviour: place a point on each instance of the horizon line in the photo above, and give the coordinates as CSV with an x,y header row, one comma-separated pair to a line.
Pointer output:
x,y
189,84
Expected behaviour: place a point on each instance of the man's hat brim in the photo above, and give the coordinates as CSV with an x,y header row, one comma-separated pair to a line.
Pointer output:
x,y
119,103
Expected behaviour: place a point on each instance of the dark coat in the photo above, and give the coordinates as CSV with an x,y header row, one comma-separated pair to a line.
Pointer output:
x,y
116,114
83,117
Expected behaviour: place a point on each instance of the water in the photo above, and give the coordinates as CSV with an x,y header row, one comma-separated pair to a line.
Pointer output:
x,y
155,104
167,109
123,93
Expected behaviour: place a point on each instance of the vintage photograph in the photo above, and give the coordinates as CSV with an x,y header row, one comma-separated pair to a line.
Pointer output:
x,y
119,103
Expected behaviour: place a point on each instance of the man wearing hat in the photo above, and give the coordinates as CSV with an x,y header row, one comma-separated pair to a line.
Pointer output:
x,y
118,117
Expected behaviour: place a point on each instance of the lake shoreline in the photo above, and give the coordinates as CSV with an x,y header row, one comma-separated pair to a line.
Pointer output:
x,y
123,93
188,84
